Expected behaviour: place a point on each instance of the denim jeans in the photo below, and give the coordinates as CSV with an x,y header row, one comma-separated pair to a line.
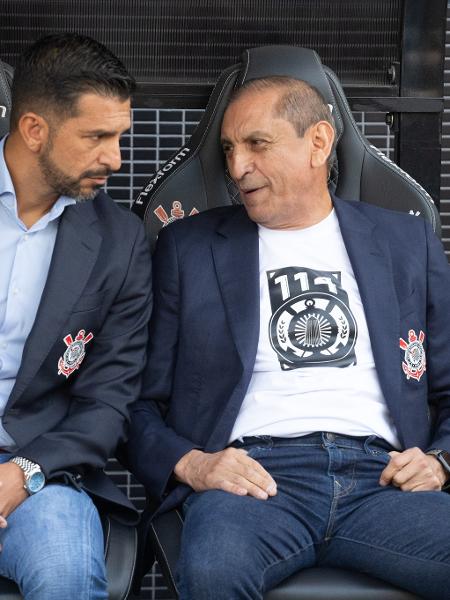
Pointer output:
x,y
53,546
329,510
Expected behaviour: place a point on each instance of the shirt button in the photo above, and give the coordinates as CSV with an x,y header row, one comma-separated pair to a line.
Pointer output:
x,y
25,237
15,291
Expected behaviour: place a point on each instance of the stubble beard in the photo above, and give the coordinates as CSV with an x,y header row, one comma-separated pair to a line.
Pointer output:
x,y
64,185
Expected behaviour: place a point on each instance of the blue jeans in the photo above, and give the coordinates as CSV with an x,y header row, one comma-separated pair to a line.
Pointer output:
x,y
329,510
53,546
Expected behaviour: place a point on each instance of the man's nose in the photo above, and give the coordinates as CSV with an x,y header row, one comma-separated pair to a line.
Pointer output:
x,y
111,156
240,163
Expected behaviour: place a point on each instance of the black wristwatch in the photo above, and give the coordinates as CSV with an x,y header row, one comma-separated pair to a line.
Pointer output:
x,y
444,458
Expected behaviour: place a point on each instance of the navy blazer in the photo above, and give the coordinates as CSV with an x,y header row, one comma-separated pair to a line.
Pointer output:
x,y
99,282
205,329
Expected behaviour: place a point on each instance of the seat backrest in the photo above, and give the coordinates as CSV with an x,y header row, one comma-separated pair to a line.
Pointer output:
x,y
6,76
195,178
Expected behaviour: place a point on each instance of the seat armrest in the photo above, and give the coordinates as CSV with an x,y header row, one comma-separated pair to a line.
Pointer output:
x,y
165,538
120,556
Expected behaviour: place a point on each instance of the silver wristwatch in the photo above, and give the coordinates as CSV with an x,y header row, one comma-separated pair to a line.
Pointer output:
x,y
34,477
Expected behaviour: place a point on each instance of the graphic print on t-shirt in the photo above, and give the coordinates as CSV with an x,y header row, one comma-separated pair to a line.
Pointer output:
x,y
311,324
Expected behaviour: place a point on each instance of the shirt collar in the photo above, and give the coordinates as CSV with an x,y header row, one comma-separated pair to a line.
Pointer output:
x,y
9,201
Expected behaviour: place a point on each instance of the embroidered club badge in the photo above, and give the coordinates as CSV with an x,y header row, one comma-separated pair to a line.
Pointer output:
x,y
176,212
415,363
75,353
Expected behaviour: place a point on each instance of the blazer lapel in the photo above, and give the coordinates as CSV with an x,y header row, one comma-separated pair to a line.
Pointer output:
x,y
235,252
74,255
236,259
369,254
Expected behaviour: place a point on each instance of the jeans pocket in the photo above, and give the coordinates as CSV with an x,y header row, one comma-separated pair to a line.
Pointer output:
x,y
380,454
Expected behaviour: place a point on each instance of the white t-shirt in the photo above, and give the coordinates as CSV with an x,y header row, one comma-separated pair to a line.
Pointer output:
x,y
314,368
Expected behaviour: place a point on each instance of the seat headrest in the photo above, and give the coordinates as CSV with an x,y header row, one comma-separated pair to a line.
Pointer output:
x,y
195,178
6,76
290,61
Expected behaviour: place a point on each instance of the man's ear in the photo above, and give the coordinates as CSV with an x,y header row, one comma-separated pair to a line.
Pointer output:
x,y
34,130
322,136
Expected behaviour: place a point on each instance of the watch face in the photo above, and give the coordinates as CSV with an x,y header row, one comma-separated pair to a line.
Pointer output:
x,y
36,482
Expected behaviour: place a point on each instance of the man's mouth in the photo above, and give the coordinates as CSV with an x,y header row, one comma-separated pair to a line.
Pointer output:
x,y
249,191
99,178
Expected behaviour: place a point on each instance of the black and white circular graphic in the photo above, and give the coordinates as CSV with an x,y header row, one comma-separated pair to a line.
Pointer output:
x,y
313,329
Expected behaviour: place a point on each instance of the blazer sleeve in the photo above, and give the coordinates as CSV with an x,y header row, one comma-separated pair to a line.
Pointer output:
x,y
154,447
110,380
438,336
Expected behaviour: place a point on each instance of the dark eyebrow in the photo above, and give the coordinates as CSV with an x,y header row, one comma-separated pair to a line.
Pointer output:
x,y
104,132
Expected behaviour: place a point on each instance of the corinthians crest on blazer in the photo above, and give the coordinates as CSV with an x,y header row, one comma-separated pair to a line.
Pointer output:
x,y
83,358
205,331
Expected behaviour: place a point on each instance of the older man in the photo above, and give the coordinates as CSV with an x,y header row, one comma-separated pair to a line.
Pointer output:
x,y
74,305
296,345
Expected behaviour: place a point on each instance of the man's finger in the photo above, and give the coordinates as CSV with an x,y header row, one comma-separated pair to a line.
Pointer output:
x,y
256,474
389,471
3,522
243,487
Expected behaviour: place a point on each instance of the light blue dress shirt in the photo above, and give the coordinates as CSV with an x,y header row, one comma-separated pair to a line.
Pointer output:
x,y
25,256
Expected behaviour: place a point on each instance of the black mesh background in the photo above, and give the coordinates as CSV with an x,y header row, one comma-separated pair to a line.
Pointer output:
x,y
194,40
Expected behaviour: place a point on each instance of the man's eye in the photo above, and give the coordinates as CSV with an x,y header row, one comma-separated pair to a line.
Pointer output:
x,y
258,142
226,149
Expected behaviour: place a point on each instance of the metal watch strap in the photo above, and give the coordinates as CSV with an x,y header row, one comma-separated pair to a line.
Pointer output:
x,y
27,466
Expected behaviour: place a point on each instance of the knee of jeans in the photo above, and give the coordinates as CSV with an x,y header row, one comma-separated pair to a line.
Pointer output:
x,y
218,560
55,544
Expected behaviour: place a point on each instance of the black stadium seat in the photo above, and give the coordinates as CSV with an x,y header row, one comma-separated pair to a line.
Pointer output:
x,y
195,179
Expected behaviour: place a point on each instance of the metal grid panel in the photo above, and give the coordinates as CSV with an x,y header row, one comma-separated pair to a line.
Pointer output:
x,y
154,136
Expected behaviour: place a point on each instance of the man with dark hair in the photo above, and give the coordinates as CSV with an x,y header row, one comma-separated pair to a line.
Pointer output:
x,y
74,305
286,403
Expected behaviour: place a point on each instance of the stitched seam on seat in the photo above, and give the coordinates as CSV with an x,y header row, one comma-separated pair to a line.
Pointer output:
x,y
247,64
107,537
389,164
195,151
132,570
4,84
321,68
165,557
179,516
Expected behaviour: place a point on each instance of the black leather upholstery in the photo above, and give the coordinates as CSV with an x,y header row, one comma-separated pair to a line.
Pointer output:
x,y
120,540
6,74
195,179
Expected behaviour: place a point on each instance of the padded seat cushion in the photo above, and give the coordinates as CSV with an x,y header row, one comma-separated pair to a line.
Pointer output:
x,y
323,583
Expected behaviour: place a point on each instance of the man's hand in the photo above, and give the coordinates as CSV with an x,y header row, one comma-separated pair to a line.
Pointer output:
x,y
12,492
230,470
414,471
